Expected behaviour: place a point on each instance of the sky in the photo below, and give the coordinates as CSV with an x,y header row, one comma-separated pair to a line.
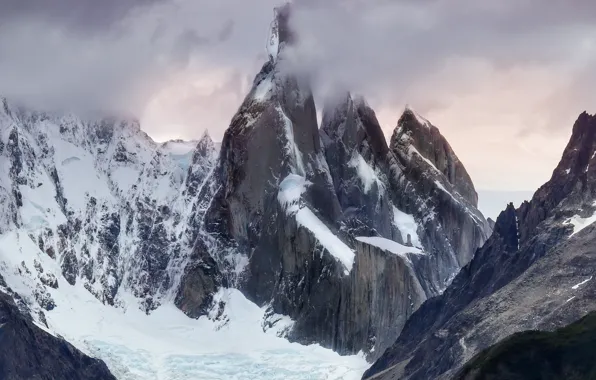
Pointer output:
x,y
504,81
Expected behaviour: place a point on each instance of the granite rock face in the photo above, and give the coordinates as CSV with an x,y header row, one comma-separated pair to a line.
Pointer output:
x,y
534,272
296,203
333,228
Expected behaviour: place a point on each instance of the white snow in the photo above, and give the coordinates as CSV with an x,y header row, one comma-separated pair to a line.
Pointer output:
x,y
389,245
263,89
290,190
167,345
407,226
579,223
366,173
330,241
412,150
576,286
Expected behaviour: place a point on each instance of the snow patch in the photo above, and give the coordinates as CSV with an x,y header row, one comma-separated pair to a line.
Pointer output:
x,y
389,245
330,241
166,344
579,223
576,286
290,190
263,90
367,174
412,150
407,226
291,147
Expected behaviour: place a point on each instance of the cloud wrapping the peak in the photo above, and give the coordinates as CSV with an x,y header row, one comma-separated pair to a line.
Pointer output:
x,y
503,80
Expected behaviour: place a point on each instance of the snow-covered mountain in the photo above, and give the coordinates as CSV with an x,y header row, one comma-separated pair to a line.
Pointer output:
x,y
162,259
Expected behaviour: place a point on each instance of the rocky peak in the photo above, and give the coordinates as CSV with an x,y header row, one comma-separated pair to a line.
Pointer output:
x,y
280,33
352,121
572,186
416,136
579,153
535,241
206,146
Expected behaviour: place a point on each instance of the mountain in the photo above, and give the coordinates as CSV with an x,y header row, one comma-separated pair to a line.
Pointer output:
x,y
538,262
155,256
28,352
567,353
334,230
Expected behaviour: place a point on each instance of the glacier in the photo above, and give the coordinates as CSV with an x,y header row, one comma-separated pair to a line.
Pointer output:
x,y
166,344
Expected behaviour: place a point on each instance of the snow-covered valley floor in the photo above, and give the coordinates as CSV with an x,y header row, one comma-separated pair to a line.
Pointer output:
x,y
166,344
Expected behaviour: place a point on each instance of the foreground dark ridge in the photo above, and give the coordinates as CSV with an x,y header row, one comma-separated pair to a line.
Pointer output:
x,y
29,353
568,353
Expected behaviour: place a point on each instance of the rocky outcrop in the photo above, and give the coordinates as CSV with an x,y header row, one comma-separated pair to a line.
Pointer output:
x,y
28,352
357,154
443,193
538,262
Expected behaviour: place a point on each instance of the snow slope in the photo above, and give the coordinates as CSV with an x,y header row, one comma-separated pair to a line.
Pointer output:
x,y
232,343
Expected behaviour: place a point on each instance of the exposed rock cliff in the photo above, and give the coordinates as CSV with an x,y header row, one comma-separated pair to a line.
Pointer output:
x,y
537,263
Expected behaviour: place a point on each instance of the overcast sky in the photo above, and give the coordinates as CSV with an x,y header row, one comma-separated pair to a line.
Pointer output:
x,y
503,80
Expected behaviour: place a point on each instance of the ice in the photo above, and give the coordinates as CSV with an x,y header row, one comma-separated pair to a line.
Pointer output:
x,y
407,226
180,151
389,245
290,191
365,171
575,287
330,241
263,89
166,344
179,147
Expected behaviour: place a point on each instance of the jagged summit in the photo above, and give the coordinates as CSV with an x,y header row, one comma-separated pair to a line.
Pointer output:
x,y
538,258
352,120
416,138
280,33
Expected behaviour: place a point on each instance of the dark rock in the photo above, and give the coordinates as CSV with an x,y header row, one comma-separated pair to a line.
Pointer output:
x,y
29,353
70,267
527,267
200,281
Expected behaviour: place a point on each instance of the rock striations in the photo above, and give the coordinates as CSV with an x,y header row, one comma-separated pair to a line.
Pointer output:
x,y
534,272
334,228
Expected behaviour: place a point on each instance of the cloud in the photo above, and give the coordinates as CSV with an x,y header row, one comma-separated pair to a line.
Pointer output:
x,y
503,80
